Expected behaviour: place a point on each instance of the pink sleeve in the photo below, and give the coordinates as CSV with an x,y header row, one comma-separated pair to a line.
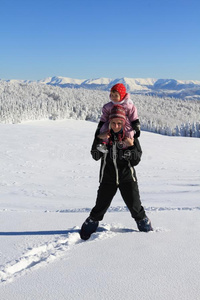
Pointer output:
x,y
105,113
132,113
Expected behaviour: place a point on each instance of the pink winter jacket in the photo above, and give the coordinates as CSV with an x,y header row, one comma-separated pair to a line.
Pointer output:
x,y
131,115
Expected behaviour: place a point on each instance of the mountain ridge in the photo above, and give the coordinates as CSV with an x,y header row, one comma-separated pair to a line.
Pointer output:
x,y
185,89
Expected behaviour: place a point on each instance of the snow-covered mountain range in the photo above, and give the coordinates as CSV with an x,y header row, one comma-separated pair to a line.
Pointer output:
x,y
150,86
132,84
184,89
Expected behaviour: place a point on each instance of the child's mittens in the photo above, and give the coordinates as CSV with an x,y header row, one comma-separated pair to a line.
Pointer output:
x,y
136,127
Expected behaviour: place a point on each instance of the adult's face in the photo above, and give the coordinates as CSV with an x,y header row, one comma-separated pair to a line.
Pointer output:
x,y
116,124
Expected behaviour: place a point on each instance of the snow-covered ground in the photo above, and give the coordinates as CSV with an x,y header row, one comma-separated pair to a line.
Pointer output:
x,y
48,184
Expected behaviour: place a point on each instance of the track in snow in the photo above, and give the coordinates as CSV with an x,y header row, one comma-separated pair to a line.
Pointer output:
x,y
47,252
39,256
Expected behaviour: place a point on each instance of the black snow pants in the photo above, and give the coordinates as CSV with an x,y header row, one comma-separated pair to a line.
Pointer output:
x,y
130,194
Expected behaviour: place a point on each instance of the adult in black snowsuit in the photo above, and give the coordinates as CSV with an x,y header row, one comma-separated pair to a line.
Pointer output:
x,y
118,159
117,171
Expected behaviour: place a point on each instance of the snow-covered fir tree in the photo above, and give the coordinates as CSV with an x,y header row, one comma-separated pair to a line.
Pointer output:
x,y
34,101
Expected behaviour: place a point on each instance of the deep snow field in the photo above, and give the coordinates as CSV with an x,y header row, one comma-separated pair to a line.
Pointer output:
x,y
48,184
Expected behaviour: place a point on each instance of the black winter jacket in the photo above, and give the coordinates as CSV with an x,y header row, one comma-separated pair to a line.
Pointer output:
x,y
117,165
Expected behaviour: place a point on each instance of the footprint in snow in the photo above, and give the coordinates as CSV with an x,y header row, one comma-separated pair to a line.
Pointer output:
x,y
48,252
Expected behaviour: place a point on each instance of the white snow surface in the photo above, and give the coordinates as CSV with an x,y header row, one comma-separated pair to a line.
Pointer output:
x,y
48,186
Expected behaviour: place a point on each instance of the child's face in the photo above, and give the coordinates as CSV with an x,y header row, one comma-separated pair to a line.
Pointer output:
x,y
115,96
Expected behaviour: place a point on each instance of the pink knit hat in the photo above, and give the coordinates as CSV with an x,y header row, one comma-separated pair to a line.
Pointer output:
x,y
120,88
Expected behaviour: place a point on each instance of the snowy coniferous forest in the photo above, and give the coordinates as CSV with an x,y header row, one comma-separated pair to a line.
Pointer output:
x,y
21,102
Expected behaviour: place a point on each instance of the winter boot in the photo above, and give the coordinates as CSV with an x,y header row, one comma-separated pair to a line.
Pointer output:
x,y
144,225
88,227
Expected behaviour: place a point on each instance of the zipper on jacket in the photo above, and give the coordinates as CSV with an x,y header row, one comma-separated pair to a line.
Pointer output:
x,y
103,167
115,161
132,172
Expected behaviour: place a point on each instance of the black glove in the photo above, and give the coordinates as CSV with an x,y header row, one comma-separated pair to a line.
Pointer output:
x,y
136,126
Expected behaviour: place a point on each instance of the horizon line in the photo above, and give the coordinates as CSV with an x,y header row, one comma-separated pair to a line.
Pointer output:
x,y
95,78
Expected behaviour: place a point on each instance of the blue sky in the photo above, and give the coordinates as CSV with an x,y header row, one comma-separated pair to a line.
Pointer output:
x,y
91,39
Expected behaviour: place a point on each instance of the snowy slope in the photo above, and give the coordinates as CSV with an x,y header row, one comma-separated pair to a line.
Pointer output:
x,y
48,185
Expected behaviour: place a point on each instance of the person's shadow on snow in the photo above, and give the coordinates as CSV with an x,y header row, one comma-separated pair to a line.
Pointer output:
x,y
47,232
113,229
62,232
